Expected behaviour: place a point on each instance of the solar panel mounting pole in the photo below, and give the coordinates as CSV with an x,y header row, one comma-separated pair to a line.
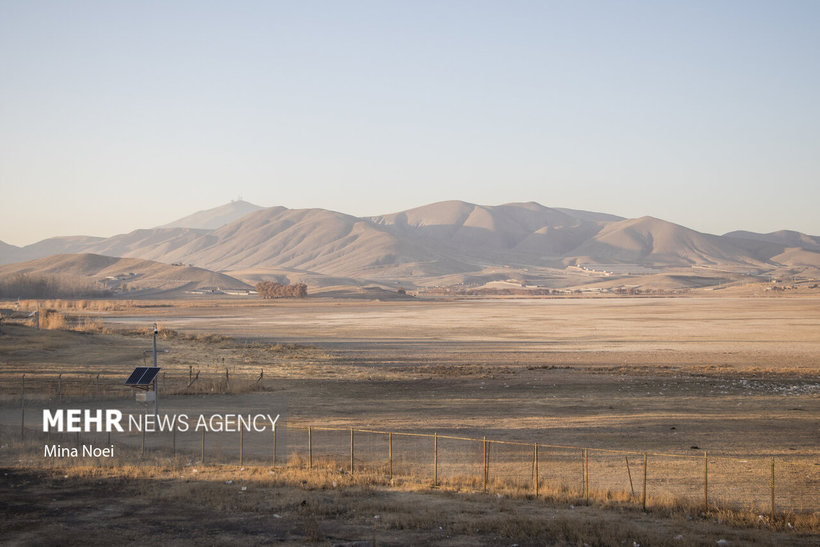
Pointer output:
x,y
156,379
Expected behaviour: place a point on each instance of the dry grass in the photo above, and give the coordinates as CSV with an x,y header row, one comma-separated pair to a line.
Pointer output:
x,y
638,376
80,359
326,503
327,473
96,305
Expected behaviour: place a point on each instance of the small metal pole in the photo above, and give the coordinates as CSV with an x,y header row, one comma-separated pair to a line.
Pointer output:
x,y
435,459
486,463
310,449
202,449
583,472
156,380
771,517
390,455
705,480
351,450
629,473
190,373
643,495
241,446
535,466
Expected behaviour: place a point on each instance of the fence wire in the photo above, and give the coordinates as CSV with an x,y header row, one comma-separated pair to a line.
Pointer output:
x,y
755,483
471,464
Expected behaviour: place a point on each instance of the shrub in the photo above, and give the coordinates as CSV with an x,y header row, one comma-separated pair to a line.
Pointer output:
x,y
271,289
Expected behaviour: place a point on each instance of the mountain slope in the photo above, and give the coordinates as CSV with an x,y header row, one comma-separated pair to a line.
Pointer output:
x,y
211,219
441,242
649,240
47,247
154,244
114,273
788,238
9,253
311,240
590,215
515,232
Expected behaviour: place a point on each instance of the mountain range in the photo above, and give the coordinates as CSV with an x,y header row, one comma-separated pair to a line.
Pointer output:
x,y
440,244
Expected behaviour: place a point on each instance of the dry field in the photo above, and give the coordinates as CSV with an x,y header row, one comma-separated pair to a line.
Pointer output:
x,y
737,377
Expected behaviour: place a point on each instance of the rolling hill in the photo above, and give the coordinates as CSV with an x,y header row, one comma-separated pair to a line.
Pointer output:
x,y
309,240
442,243
788,238
655,242
521,233
118,275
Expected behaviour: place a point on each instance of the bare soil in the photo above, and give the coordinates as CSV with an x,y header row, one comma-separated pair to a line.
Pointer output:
x,y
739,377
47,507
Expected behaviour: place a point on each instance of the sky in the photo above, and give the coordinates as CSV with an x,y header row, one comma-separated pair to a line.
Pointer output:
x,y
123,115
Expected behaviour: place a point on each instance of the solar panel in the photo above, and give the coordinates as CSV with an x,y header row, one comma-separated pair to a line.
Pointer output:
x,y
148,377
136,375
142,376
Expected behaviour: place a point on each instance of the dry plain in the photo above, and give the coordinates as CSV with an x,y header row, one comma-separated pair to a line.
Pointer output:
x,y
737,377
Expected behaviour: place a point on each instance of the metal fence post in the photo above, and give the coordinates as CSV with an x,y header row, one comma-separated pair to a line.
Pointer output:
x,y
486,463
771,517
629,474
535,466
435,459
583,472
351,450
643,495
310,448
705,480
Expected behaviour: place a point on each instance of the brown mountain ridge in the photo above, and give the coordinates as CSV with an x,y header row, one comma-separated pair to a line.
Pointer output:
x,y
441,243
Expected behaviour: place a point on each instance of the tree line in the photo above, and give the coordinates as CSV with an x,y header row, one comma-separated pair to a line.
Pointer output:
x,y
272,289
30,285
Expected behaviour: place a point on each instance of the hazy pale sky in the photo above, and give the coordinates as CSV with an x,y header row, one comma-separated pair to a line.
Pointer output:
x,y
123,115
